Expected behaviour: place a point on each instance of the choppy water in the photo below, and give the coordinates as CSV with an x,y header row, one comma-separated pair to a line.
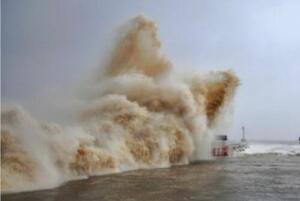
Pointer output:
x,y
249,177
279,147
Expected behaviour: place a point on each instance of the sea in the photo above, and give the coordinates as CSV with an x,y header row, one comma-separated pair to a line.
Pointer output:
x,y
267,171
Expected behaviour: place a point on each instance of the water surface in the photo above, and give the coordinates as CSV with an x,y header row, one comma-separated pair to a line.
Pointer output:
x,y
254,177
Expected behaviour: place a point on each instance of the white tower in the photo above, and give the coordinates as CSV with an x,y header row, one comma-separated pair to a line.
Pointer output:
x,y
243,140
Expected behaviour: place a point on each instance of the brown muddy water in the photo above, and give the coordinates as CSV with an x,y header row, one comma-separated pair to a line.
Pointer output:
x,y
267,177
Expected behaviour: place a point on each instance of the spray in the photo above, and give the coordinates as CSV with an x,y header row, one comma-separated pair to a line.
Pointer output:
x,y
136,115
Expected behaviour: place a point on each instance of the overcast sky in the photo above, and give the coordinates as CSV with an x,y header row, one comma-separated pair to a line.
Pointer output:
x,y
48,44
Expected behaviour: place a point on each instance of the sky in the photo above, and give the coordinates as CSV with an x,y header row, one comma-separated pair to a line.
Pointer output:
x,y
50,44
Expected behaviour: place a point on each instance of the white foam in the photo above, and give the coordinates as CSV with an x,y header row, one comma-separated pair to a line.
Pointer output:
x,y
273,148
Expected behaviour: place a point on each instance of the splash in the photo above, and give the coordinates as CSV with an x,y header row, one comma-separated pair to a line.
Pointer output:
x,y
138,50
137,114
